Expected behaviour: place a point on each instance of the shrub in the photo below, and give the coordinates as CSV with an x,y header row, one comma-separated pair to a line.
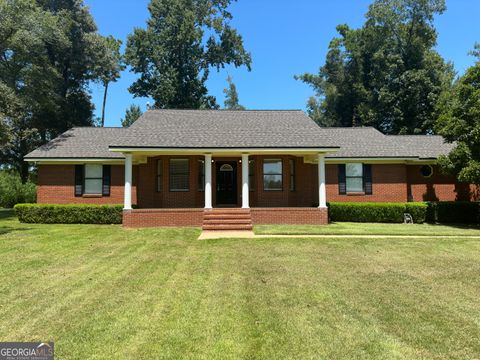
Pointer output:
x,y
367,212
460,212
69,214
418,210
12,191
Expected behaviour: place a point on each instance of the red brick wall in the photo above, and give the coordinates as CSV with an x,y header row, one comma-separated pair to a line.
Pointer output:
x,y
301,216
56,185
162,217
394,182
388,184
438,187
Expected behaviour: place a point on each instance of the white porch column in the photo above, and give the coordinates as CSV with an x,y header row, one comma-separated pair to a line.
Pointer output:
x,y
245,189
208,181
128,182
322,193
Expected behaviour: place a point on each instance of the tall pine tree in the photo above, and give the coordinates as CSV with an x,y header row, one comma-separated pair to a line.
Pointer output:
x,y
231,96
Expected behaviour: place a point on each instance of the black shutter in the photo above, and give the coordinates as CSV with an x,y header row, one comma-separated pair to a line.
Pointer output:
x,y
78,180
367,179
106,180
342,180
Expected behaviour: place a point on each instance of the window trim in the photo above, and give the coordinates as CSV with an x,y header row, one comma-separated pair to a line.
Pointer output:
x,y
362,177
170,173
85,178
431,171
276,174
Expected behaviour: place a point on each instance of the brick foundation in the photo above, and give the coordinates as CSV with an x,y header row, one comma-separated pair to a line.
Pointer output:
x,y
300,216
162,217
194,217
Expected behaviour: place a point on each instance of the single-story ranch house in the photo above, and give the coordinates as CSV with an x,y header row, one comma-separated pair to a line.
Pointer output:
x,y
228,169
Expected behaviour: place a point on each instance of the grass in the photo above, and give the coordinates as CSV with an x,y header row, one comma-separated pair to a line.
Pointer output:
x,y
103,292
348,228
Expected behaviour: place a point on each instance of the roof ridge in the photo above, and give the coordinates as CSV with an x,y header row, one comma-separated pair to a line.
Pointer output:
x,y
222,110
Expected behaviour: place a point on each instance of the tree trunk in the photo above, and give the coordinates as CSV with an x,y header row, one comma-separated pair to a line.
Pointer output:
x,y
24,172
104,103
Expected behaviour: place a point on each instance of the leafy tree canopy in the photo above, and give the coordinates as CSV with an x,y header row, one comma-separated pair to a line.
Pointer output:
x,y
183,41
231,96
131,115
386,74
460,122
49,52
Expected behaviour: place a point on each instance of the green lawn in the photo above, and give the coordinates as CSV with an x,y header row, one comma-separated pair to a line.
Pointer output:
x,y
346,228
102,292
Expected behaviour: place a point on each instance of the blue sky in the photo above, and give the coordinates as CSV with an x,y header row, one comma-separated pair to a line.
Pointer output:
x,y
285,38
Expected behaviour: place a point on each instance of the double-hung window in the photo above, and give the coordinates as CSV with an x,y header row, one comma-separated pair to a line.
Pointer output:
x,y
179,175
272,175
93,179
354,177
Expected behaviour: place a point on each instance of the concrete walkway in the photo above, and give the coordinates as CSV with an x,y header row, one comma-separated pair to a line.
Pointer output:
x,y
250,235
220,234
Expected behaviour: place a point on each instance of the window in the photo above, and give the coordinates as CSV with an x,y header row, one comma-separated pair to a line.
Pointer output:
x,y
93,180
251,175
179,175
201,175
292,174
159,175
272,175
354,177
426,171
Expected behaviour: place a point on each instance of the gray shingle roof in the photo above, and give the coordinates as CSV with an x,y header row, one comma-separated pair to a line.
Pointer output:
x,y
238,129
225,129
367,142
83,142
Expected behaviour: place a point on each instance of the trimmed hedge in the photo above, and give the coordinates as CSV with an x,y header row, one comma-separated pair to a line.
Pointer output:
x,y
455,212
459,212
69,214
377,212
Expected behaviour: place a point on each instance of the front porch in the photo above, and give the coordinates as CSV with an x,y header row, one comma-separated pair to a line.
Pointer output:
x,y
196,217
185,190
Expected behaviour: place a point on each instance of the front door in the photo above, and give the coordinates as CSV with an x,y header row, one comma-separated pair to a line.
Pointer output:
x,y
226,183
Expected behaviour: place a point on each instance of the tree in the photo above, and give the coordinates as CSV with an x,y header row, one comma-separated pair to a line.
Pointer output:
x,y
231,96
386,74
183,41
110,68
131,115
50,51
459,123
28,80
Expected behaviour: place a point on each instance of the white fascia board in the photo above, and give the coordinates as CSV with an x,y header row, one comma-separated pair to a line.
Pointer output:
x,y
221,151
381,160
67,161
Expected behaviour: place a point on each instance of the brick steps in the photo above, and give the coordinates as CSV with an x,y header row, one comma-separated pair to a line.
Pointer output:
x,y
227,219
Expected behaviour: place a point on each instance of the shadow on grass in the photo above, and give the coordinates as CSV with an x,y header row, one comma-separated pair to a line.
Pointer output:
x,y
458,226
7,214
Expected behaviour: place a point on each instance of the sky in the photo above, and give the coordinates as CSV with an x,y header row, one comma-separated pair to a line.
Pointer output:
x,y
285,38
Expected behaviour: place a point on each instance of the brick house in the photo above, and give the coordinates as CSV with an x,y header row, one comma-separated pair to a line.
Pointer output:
x,y
227,169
